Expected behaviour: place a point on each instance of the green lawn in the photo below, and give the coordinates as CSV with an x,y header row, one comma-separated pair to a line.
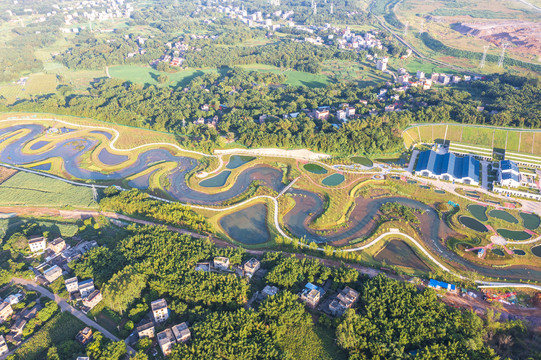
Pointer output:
x,y
26,189
147,75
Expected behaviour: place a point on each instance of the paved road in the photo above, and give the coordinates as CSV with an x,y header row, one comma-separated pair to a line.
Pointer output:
x,y
64,306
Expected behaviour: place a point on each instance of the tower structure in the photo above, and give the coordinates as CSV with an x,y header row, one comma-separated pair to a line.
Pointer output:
x,y
482,63
502,56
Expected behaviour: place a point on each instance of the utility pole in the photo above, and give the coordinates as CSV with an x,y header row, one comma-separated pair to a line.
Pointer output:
x,y
502,56
482,63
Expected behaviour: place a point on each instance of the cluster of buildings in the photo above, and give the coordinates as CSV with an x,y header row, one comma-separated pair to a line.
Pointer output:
x,y
221,264
94,10
335,306
349,40
85,291
167,338
15,320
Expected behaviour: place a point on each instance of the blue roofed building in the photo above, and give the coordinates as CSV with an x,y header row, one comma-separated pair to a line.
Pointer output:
x,y
438,285
448,167
509,174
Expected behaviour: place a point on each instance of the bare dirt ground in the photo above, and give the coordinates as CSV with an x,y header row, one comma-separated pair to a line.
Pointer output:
x,y
6,173
524,37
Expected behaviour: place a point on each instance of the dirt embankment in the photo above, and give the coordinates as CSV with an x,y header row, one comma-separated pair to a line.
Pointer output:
x,y
522,36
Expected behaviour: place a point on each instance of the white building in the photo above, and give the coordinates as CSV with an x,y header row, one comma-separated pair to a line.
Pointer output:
x,y
86,287
37,244
382,64
508,174
53,273
160,311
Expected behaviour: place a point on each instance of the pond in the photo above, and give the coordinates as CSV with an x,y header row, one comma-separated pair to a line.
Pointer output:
x,y
498,252
362,161
236,161
519,252
108,135
536,250
38,144
315,169
248,226
503,215
472,223
333,180
530,221
514,234
216,181
43,167
142,182
399,253
111,159
478,212
439,191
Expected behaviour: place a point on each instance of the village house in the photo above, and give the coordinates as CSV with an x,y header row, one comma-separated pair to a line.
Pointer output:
x,y
72,284
311,294
160,311
37,244
52,273
181,332
14,298
84,336
3,346
5,311
166,339
343,301
146,330
57,245
93,299
267,291
341,115
86,287
350,111
322,115
221,263
251,266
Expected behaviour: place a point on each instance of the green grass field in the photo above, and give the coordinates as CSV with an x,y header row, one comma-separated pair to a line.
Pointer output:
x,y
26,189
37,84
147,75
520,141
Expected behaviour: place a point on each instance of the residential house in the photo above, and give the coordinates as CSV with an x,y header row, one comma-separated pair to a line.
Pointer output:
x,y
438,285
350,111
5,311
166,339
86,287
181,332
84,336
322,115
251,266
14,298
381,64
83,358
435,77
37,243
18,326
57,245
267,291
72,284
52,273
444,79
146,330
509,174
420,75
202,266
404,79
344,300
389,108
92,299
159,310
221,263
341,115
311,294
3,346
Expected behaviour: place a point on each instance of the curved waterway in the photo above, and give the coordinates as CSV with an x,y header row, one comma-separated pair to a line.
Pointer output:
x,y
308,205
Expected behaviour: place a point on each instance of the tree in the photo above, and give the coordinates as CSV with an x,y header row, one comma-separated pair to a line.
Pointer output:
x,y
124,287
162,79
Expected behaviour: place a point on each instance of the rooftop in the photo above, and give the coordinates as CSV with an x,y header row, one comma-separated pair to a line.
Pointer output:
x,y
458,167
158,304
36,239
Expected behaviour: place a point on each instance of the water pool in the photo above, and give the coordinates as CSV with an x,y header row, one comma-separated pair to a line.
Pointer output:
x,y
472,223
478,212
503,215
514,234
216,181
333,180
315,169
248,226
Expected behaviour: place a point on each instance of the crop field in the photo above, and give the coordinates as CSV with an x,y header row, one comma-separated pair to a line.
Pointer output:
x,y
521,141
147,75
33,190
37,84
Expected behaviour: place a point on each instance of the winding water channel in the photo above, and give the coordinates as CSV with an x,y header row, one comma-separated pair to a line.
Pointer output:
x,y
308,205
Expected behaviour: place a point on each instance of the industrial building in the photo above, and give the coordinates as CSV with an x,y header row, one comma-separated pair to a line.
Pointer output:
x,y
448,167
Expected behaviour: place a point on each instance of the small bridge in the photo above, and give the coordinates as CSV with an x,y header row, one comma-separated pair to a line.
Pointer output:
x,y
284,190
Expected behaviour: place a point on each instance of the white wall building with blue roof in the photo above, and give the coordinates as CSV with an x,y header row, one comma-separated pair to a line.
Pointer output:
x,y
448,167
509,174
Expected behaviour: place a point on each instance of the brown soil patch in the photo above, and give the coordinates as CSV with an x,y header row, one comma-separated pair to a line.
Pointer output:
x,y
6,173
